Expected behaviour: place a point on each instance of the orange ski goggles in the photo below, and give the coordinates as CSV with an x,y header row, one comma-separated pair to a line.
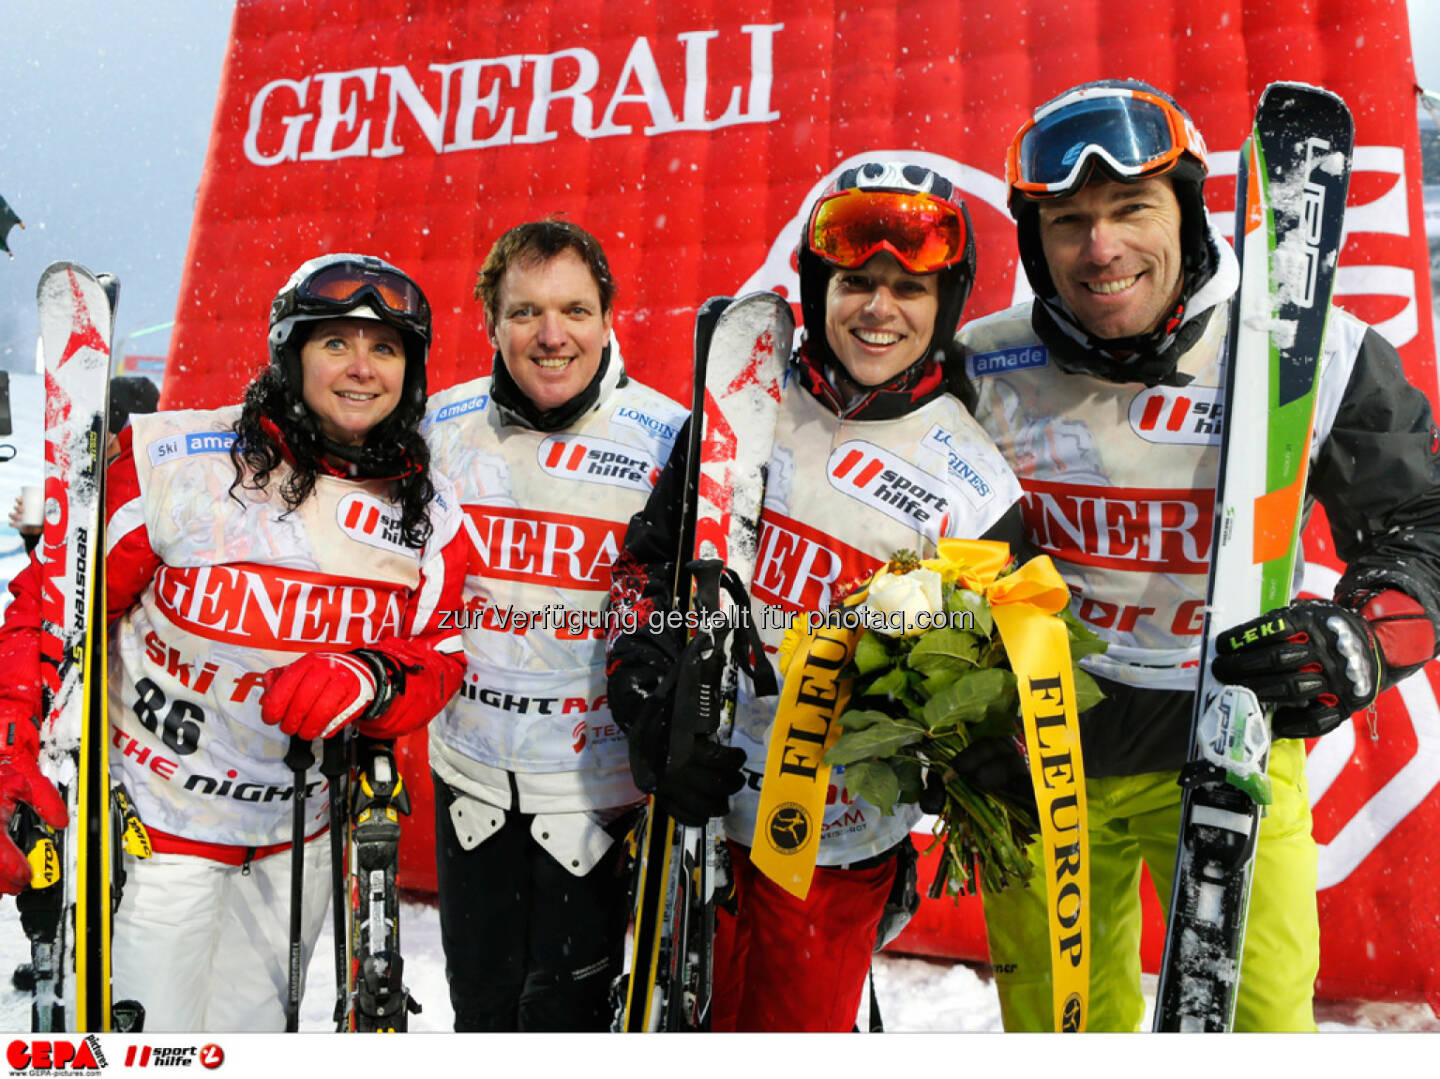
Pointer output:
x,y
924,233
344,281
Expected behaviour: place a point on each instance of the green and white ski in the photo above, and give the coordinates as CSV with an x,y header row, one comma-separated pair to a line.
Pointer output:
x,y
1290,207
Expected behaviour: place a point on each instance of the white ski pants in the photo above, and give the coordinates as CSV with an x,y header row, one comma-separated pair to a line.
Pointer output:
x,y
205,946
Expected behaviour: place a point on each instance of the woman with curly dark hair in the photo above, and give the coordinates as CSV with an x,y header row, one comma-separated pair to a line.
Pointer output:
x,y
276,569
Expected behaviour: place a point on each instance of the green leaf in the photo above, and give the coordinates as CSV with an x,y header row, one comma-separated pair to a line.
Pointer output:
x,y
880,739
890,684
998,725
961,600
908,772
857,719
967,699
876,782
944,650
933,684
1087,691
1006,702
1083,641
870,653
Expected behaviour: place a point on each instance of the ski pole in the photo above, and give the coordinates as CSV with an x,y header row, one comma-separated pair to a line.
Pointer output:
x,y
334,766
298,758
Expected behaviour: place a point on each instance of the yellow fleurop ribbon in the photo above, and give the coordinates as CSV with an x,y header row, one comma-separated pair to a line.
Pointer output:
x,y
796,781
1024,605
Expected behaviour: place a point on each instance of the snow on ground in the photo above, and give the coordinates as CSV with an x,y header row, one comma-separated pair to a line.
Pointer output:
x,y
914,994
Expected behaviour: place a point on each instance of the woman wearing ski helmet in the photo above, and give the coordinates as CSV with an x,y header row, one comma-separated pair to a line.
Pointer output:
x,y
908,219
275,570
886,262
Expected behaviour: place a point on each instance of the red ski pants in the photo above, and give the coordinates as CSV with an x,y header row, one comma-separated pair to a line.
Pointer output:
x,y
790,965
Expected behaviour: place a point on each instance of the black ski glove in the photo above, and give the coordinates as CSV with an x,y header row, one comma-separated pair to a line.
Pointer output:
x,y
678,761
640,696
699,787
991,766
1316,662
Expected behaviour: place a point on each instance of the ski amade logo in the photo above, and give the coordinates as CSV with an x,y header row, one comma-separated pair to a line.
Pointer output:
x,y
1004,360
48,1056
1185,416
597,460
896,488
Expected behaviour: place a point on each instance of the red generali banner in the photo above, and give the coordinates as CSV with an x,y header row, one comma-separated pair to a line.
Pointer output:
x,y
690,136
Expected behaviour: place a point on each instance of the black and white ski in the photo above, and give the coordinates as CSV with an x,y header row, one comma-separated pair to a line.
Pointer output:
x,y
1290,206
378,1000
741,350
66,912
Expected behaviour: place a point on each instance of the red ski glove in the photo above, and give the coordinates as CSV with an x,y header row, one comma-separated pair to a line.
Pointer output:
x,y
22,781
320,693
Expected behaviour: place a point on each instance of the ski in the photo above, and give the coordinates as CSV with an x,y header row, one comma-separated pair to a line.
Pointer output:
x,y
378,1000
1290,205
66,912
741,350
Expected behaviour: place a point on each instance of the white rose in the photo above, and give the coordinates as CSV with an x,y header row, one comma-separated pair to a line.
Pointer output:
x,y
902,605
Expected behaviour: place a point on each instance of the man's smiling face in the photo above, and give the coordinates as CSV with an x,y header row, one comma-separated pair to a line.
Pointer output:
x,y
551,330
1114,254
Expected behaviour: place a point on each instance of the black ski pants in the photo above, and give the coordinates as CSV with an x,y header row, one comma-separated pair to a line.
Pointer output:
x,y
528,946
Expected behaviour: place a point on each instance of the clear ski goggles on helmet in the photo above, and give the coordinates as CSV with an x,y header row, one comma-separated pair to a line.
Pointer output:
x,y
1132,133
343,283
923,232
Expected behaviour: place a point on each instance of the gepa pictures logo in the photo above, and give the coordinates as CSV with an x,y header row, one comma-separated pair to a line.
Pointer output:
x,y
36,1056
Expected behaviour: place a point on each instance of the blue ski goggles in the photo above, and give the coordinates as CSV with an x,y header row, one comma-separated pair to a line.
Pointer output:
x,y
1130,133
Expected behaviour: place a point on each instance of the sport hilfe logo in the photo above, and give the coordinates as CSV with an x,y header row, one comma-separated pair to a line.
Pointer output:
x,y
597,460
896,488
372,522
174,1056
1192,416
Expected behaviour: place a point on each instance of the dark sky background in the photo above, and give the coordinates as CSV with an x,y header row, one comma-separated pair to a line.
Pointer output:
x,y
106,108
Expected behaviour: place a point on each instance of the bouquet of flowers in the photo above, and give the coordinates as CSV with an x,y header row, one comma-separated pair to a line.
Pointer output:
x,y
930,676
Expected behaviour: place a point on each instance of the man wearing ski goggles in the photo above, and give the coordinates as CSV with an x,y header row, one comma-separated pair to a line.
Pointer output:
x,y
1129,133
1132,299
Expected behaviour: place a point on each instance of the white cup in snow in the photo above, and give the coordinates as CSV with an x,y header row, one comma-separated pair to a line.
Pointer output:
x,y
32,506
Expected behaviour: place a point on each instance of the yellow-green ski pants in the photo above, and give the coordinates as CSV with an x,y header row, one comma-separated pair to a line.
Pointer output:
x,y
1134,819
